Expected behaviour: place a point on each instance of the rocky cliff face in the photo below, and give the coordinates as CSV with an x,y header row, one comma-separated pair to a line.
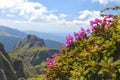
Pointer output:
x,y
31,52
6,67
36,57
18,65
30,41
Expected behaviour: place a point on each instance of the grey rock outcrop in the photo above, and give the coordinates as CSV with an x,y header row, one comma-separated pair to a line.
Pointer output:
x,y
6,67
30,41
18,65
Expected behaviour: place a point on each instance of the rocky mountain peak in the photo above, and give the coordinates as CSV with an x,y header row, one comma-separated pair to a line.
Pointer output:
x,y
30,41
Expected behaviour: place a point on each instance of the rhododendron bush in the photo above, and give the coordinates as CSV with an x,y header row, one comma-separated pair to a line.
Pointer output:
x,y
92,54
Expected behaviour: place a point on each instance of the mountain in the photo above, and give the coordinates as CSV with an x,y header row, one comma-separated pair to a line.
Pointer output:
x,y
33,52
59,37
7,71
6,31
9,42
53,44
9,37
30,41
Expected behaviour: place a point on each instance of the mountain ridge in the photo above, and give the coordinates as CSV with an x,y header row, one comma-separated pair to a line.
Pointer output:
x,y
12,32
30,41
31,56
9,37
59,37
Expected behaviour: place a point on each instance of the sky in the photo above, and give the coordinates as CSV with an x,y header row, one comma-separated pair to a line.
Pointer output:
x,y
62,16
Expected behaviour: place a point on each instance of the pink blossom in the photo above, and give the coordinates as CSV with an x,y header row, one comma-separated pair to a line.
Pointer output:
x,y
107,20
69,40
51,62
108,16
46,79
56,54
88,30
95,22
76,35
91,23
98,20
80,34
92,28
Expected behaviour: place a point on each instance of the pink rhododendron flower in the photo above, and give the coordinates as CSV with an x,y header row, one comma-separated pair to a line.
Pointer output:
x,y
76,35
108,16
80,34
51,62
107,20
88,30
98,21
56,54
95,22
46,79
69,40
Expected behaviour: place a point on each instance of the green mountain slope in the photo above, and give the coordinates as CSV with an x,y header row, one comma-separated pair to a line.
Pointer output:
x,y
33,53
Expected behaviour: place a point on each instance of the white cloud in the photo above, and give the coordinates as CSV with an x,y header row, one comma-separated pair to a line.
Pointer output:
x,y
10,6
86,14
106,1
63,15
32,11
10,15
52,17
84,17
42,27
81,20
4,4
54,23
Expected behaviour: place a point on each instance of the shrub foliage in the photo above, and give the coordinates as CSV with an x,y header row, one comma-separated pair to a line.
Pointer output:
x,y
92,54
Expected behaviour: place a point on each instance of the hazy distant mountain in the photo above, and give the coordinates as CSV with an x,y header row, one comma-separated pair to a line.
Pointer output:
x,y
9,32
53,44
9,36
59,37
9,42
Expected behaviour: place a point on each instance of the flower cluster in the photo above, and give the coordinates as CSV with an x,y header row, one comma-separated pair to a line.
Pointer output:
x,y
82,33
102,22
95,22
46,79
69,40
78,35
56,54
87,52
51,62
